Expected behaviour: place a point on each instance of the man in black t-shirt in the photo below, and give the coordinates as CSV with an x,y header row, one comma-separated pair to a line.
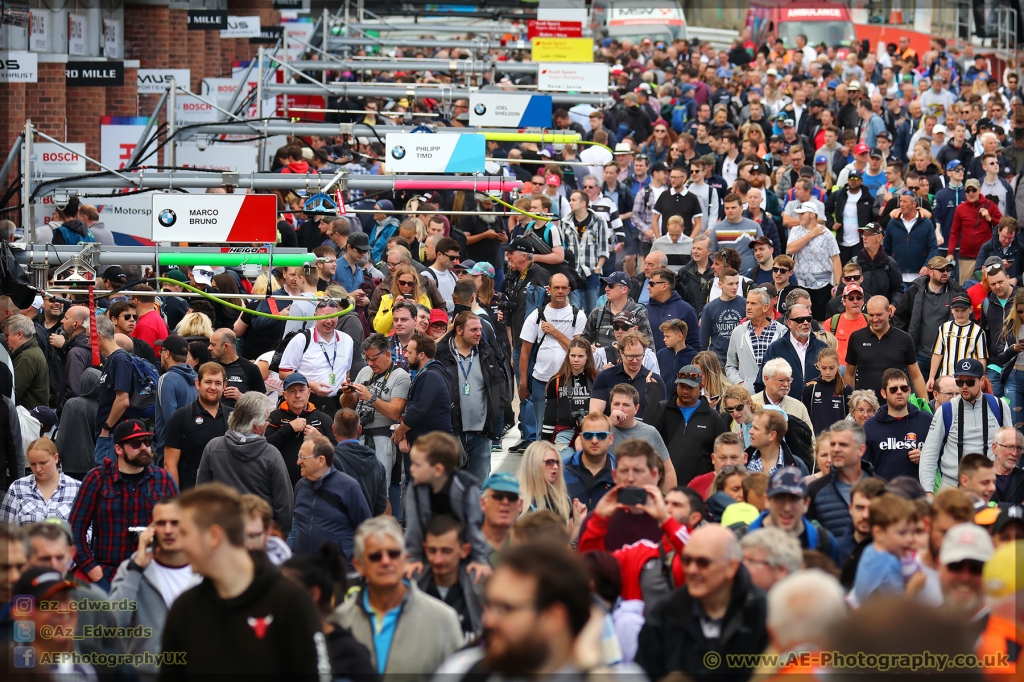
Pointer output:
x,y
879,346
242,375
484,233
677,201
194,425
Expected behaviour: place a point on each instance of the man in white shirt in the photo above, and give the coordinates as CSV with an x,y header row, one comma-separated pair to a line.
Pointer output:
x,y
323,356
448,253
552,327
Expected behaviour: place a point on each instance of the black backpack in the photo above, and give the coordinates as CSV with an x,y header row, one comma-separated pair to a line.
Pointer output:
x,y
275,360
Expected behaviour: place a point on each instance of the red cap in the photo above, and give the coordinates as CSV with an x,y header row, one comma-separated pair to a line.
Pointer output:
x,y
861,149
553,180
850,288
438,315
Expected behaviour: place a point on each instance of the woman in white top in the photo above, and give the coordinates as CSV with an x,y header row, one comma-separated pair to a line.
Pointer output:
x,y
816,254
45,493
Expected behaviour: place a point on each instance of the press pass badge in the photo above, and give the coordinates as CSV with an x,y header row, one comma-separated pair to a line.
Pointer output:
x,y
465,388
331,378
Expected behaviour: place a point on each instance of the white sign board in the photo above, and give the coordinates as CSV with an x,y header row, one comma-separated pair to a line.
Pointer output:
x,y
563,14
76,34
111,39
193,110
222,91
298,31
240,158
118,142
19,67
155,81
245,218
509,110
434,153
50,158
242,27
573,77
39,31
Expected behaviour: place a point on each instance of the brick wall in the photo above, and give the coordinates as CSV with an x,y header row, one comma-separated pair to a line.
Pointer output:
x,y
86,106
46,100
12,122
146,38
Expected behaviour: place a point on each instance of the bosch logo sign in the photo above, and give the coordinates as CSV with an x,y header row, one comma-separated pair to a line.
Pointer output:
x,y
60,156
480,109
398,153
167,217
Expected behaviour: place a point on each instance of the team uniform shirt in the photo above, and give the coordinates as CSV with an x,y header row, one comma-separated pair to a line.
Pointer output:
x,y
550,354
954,343
326,360
189,430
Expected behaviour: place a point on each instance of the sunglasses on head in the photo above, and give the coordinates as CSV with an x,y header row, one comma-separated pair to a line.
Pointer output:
x,y
595,435
805,319
693,376
969,383
378,556
327,303
995,267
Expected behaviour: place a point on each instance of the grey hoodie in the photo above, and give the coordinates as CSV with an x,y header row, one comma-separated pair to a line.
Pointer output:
x,y
78,417
249,464
102,234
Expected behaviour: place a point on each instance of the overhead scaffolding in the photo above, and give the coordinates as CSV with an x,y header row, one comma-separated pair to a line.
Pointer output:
x,y
421,92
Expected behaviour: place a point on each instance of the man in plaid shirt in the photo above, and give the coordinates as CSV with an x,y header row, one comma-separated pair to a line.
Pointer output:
x,y
115,497
587,236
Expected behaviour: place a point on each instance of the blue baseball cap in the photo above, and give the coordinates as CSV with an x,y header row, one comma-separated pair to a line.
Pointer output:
x,y
787,481
617,278
502,482
833,84
953,165
295,378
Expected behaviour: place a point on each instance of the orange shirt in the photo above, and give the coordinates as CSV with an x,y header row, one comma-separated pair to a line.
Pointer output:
x,y
844,328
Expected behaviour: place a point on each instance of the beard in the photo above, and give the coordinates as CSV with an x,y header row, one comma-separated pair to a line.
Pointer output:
x,y
517,659
489,218
143,459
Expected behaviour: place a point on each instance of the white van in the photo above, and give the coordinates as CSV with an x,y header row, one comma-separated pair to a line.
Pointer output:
x,y
664,21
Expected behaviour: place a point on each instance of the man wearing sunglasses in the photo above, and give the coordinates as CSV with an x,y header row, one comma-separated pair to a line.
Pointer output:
x,y
114,497
961,562
881,273
925,307
968,423
973,224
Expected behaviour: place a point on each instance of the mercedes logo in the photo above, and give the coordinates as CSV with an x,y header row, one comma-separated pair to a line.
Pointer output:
x,y
398,152
167,217
480,109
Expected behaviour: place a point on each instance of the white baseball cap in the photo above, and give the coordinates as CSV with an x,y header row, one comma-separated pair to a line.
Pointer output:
x,y
203,274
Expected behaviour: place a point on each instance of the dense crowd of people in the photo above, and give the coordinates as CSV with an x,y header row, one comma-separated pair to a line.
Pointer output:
x,y
743,377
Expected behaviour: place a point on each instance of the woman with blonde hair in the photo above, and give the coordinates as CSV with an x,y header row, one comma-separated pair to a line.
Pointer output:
x,y
405,286
714,378
755,134
45,493
739,408
542,481
822,464
194,325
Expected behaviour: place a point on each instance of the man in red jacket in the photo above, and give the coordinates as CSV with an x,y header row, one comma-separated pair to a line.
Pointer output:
x,y
972,227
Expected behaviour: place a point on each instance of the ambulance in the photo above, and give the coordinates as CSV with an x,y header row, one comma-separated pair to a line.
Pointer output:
x,y
823,21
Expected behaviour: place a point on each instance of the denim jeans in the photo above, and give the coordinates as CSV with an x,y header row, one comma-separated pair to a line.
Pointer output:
x,y
384,448
585,298
563,442
1014,392
539,400
924,362
478,447
527,418
997,383
104,450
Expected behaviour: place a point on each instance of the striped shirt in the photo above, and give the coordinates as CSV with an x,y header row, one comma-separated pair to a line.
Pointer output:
x,y
954,343
24,504
609,211
589,241
677,253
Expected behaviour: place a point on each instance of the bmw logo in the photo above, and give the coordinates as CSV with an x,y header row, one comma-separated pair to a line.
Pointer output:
x,y
167,217
480,109
398,152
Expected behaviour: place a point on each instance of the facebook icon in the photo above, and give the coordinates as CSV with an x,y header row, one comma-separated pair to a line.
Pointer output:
x,y
24,657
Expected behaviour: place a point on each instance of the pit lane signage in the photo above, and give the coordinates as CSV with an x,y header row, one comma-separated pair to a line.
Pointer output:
x,y
94,74
434,153
207,20
19,67
218,218
574,77
509,110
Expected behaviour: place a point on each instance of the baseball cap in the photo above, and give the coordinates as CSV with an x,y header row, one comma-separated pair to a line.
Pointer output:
x,y
833,84
518,244
876,153
115,275
993,260
174,344
691,375
756,168
961,301
787,481
438,315
871,228
965,541
483,268
360,241
131,428
42,582
788,123
807,207
625,317
1002,571
985,123
885,134
820,158
295,378
806,172
973,182
939,129
940,263
855,174
467,264
861,149
852,288
552,180
762,240
1014,512
953,165
203,274
618,277
175,274
969,367
816,103
502,482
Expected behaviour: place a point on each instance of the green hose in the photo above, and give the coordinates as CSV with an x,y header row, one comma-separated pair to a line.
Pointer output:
x,y
215,260
220,300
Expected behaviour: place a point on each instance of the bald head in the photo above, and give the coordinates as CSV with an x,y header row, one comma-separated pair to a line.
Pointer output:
x,y
125,342
721,543
878,304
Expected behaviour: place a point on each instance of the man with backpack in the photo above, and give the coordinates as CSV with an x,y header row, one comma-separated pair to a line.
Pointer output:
x,y
72,230
119,384
549,329
968,423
